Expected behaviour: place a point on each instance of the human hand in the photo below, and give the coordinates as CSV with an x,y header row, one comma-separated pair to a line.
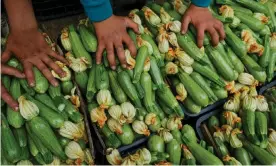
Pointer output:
x,y
203,21
112,33
4,92
30,47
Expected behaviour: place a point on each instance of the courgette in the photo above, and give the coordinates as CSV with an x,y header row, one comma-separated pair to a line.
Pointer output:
x,y
156,144
81,80
88,39
140,60
47,137
261,128
191,106
41,83
10,146
66,87
117,91
46,100
91,84
242,156
21,137
174,150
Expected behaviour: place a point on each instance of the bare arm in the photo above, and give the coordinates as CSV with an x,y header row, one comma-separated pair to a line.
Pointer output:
x,y
21,15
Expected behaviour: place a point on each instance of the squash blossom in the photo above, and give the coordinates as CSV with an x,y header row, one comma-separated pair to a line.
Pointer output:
x,y
115,112
181,91
128,161
104,99
67,76
234,140
174,123
183,57
230,160
173,39
228,12
187,69
174,26
128,111
249,103
244,92
226,129
165,17
73,151
186,153
165,134
262,17
71,131
170,55
151,17
141,42
27,109
130,61
76,64
171,68
98,115
140,127
113,156
114,126
262,104
147,64
144,156
179,6
75,99
64,38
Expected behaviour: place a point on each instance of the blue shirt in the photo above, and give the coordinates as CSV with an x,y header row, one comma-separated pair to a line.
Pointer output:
x,y
99,10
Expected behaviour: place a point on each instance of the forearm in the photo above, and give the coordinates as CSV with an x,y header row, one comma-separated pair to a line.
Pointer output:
x,y
21,15
201,3
97,10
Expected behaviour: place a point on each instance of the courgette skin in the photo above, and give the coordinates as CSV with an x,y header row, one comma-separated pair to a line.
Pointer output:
x,y
156,144
127,137
46,100
41,83
272,114
251,22
47,137
77,46
66,87
81,79
128,87
194,90
110,137
52,117
10,146
88,39
140,60
260,154
174,150
117,91
21,137
248,124
192,107
261,128
91,84
242,156
201,155
102,80
14,118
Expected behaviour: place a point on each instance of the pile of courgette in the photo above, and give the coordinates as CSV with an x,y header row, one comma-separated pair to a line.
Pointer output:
x,y
169,147
48,128
245,129
127,103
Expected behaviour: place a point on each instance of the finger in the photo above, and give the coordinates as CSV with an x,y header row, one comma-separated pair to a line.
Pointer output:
x,y
46,72
185,23
110,53
220,30
12,71
6,56
130,45
8,99
28,70
53,66
214,35
120,52
112,61
57,56
131,24
200,36
99,52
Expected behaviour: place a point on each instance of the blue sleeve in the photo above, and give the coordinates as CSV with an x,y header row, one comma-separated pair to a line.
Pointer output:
x,y
201,3
97,10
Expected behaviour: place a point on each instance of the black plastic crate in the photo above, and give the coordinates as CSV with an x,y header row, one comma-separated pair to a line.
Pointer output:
x,y
52,9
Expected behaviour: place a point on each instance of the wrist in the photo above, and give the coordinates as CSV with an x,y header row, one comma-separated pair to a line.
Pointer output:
x,y
25,29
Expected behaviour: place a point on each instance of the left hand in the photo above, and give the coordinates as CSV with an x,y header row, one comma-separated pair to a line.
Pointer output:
x,y
4,92
203,21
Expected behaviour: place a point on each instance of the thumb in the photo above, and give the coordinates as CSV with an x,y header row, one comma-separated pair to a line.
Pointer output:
x,y
131,24
6,56
185,23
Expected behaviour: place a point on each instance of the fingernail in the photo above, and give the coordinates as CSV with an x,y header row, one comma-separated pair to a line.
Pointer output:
x,y
16,109
124,65
183,32
32,84
113,67
55,83
98,63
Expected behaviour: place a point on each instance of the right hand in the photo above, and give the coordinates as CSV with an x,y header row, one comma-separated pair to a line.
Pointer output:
x,y
4,92
111,34
30,47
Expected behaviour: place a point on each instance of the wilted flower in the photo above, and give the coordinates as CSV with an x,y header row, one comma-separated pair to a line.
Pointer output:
x,y
174,26
246,79
147,64
67,76
141,42
76,64
171,68
165,135
174,123
130,61
140,127
262,17
115,112
113,156
74,151
104,99
128,111
144,156
98,115
173,39
249,103
179,6
27,109
165,17
262,104
184,58
71,130
234,140
114,126
150,16
170,55
181,91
